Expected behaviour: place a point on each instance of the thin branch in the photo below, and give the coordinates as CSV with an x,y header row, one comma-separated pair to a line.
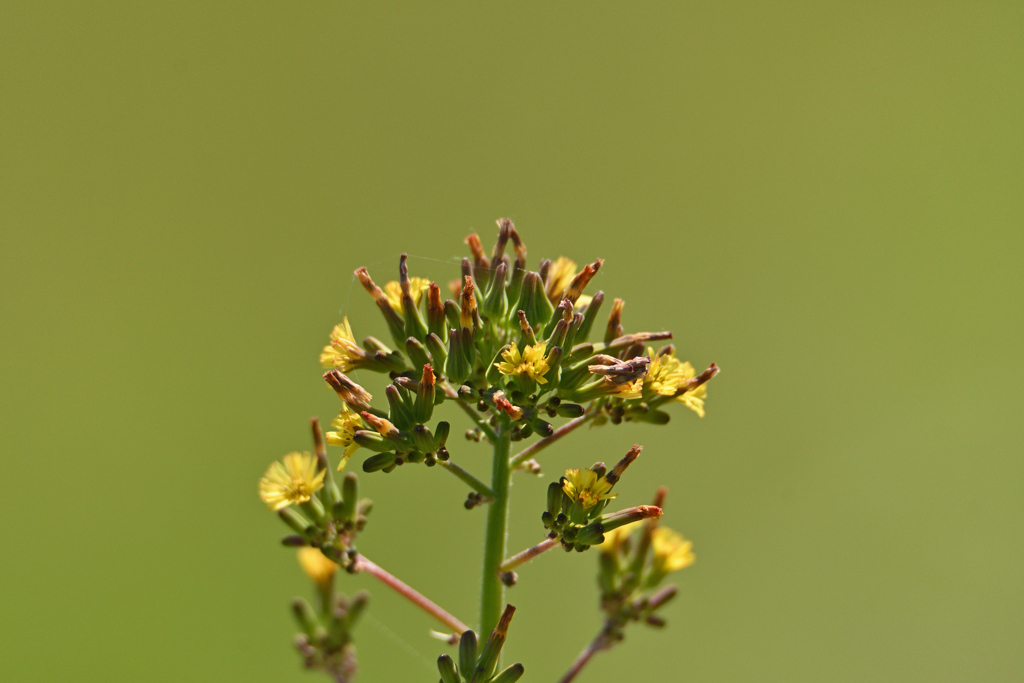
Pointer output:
x,y
465,476
527,555
599,643
364,565
538,446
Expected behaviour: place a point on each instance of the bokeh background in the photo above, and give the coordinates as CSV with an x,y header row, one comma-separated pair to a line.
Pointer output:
x,y
824,198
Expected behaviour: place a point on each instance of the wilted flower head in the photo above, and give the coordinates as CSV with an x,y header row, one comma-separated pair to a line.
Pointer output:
x,y
292,481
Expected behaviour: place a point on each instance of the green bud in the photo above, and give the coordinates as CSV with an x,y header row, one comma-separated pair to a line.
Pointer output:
x,y
592,534
533,302
313,509
438,351
379,462
422,438
570,335
589,315
400,412
547,519
293,541
295,520
457,367
452,313
570,410
441,431
509,675
447,668
467,651
417,352
307,620
495,303
372,441
559,327
349,496
356,609
555,495
554,375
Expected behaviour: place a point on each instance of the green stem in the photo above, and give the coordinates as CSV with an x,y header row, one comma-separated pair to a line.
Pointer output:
x,y
492,599
465,476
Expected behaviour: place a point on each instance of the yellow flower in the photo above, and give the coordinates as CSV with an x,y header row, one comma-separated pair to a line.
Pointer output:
x,y
317,567
665,374
585,487
343,352
417,286
672,552
626,391
531,362
346,423
668,374
560,274
294,481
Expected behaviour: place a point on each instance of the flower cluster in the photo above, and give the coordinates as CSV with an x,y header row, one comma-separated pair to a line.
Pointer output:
x,y
576,503
322,515
632,567
519,351
325,638
479,665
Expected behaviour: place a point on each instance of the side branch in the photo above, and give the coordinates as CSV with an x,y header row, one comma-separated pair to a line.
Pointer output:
x,y
538,446
474,483
363,565
528,554
601,642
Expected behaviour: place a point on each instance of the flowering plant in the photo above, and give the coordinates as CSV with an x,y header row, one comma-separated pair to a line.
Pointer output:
x,y
512,351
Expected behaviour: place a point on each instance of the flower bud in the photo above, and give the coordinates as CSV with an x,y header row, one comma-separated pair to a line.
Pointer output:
x,y
589,315
495,303
417,352
379,462
509,675
457,369
447,668
467,651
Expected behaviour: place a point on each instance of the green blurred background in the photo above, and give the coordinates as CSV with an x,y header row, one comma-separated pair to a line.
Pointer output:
x,y
824,198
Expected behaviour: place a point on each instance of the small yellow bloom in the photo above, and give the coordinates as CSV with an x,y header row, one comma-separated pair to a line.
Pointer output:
x,y
342,352
585,487
417,287
665,374
531,362
294,481
626,391
672,552
668,374
346,423
560,274
317,567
